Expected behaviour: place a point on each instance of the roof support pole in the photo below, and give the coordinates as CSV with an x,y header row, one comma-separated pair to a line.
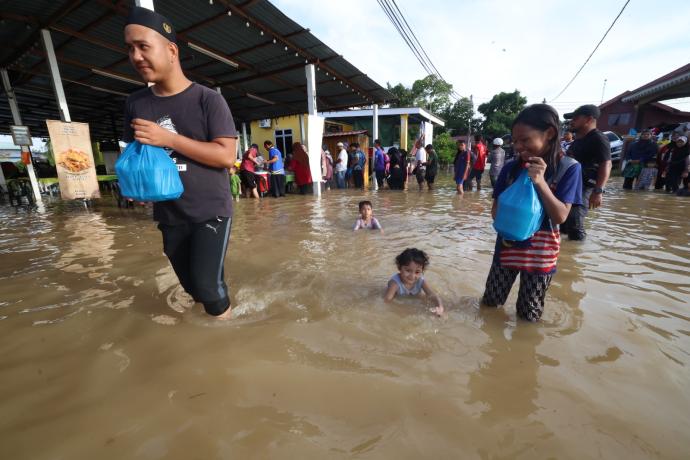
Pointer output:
x,y
404,119
314,130
55,76
14,108
245,144
375,135
311,89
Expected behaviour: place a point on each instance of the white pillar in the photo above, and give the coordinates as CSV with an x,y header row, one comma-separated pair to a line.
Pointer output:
x,y
311,89
16,117
375,135
245,145
148,4
55,76
314,130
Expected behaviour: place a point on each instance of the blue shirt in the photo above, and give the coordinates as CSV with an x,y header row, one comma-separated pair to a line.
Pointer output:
x,y
277,167
379,160
402,290
567,190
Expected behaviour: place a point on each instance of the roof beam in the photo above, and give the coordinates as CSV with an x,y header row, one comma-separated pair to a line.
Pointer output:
x,y
286,41
36,32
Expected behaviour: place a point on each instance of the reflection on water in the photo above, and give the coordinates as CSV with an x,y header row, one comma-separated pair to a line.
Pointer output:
x,y
98,337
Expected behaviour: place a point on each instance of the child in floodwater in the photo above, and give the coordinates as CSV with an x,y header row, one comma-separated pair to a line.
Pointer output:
x,y
366,217
558,182
409,281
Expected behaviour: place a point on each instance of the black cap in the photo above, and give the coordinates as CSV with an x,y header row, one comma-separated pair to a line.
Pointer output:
x,y
588,110
152,20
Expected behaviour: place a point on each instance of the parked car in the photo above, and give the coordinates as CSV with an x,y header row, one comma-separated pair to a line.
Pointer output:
x,y
616,146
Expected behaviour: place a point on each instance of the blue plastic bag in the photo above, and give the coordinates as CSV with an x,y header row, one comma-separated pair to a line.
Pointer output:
x,y
147,173
520,212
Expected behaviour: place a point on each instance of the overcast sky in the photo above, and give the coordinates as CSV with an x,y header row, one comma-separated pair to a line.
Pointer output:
x,y
484,47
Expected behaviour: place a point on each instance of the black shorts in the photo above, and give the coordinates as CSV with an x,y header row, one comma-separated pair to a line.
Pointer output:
x,y
248,179
421,172
430,178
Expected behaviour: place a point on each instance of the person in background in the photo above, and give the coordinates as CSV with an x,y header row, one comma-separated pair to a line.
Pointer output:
x,y
431,166
592,150
327,167
479,163
276,168
420,161
557,180
196,126
662,158
398,173
341,166
379,163
461,166
351,160
247,169
639,154
677,167
300,165
366,220
497,157
567,141
358,167
235,187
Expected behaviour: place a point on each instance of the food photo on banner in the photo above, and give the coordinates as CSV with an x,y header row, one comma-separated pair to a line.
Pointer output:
x,y
74,160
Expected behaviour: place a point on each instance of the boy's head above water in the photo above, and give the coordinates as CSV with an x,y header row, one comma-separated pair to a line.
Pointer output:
x,y
365,208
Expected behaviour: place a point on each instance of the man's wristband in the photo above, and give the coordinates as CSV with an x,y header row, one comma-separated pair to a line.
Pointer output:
x,y
598,190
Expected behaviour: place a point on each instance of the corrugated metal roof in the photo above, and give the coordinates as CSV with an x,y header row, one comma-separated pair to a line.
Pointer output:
x,y
89,34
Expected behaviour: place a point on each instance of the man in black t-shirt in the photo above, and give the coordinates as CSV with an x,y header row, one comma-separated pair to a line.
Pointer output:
x,y
195,125
591,148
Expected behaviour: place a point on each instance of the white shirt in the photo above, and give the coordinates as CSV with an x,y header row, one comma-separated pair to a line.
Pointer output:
x,y
342,166
421,155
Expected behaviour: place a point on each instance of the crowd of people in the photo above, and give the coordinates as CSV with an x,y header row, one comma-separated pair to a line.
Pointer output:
x,y
662,164
195,124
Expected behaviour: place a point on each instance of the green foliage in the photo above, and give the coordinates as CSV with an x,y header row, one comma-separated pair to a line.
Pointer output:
x,y
445,147
457,117
500,112
404,95
430,93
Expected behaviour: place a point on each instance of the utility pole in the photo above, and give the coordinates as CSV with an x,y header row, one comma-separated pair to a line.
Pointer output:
x,y
603,90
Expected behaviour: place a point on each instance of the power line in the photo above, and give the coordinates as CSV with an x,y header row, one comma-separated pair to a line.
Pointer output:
x,y
592,54
399,22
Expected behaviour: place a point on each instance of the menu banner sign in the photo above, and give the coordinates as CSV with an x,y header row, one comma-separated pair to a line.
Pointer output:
x,y
76,170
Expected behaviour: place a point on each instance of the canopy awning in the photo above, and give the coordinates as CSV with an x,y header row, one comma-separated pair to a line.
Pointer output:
x,y
674,85
249,49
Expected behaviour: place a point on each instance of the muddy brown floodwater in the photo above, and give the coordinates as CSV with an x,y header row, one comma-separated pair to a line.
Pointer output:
x,y
102,357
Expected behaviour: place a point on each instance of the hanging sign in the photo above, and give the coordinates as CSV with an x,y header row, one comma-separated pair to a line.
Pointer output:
x,y
21,135
76,170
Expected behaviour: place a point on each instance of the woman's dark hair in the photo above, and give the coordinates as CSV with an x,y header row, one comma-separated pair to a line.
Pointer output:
x,y
542,117
429,148
255,146
394,156
412,255
364,203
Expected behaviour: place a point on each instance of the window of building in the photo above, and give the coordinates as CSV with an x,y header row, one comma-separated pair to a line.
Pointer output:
x,y
624,119
284,141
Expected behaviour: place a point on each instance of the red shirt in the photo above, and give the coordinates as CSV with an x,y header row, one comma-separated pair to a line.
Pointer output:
x,y
247,164
302,173
480,164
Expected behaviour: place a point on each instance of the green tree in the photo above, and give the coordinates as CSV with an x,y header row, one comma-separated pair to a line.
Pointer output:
x,y
445,147
457,117
430,93
403,95
500,112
